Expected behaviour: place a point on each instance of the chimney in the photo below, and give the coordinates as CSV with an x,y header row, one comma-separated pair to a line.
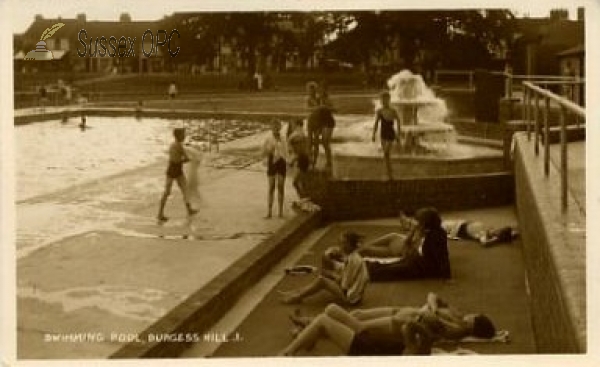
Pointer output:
x,y
125,18
38,17
81,18
580,14
559,14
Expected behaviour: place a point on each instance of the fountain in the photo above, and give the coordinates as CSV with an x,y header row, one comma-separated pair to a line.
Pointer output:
x,y
428,142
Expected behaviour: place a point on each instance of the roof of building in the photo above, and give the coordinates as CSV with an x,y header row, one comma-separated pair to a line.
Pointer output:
x,y
94,28
551,31
577,50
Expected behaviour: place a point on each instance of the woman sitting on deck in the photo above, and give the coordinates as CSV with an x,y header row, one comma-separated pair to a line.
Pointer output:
x,y
396,244
389,330
343,273
423,254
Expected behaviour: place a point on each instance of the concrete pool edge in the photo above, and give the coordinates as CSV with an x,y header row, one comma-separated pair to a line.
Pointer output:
x,y
58,113
204,308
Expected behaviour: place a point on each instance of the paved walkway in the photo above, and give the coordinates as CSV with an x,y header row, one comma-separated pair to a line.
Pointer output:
x,y
490,280
94,262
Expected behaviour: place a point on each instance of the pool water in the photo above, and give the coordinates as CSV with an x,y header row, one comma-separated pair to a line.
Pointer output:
x,y
53,155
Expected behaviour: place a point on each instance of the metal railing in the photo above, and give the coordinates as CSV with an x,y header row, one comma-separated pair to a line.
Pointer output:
x,y
569,86
532,96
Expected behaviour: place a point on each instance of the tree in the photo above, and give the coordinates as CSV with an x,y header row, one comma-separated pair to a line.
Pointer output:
x,y
406,34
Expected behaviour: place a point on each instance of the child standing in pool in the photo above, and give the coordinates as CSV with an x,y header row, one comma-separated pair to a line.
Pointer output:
x,y
177,157
275,150
298,144
387,116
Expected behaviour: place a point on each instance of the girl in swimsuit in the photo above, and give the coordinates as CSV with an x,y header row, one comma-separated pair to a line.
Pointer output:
x,y
313,125
327,120
387,116
389,330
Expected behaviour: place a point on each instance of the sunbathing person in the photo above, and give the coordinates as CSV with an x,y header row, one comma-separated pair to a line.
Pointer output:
x,y
477,231
423,254
389,330
395,245
376,336
343,273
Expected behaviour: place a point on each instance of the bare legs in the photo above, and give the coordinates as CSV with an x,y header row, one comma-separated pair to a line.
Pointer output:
x,y
320,283
326,134
317,138
334,324
389,245
386,145
279,182
182,183
299,183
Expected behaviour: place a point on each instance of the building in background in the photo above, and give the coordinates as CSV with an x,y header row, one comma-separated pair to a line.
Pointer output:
x,y
538,42
65,43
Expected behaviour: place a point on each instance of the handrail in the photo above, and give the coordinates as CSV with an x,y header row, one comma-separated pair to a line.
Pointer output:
x,y
541,77
570,83
562,101
535,93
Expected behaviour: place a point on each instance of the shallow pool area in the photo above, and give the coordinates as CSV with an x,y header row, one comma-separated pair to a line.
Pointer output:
x,y
55,155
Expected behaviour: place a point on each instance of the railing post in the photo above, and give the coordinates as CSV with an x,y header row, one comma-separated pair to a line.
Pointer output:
x,y
546,137
470,80
563,159
526,111
537,125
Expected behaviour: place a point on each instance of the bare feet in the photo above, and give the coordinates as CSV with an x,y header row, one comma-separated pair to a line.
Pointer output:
x,y
298,320
289,298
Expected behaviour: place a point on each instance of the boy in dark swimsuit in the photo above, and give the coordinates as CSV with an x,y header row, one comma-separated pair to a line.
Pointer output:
x,y
298,144
275,151
387,116
177,157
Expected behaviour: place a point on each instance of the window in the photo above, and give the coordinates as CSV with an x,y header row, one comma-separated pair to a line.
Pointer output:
x,y
64,44
51,44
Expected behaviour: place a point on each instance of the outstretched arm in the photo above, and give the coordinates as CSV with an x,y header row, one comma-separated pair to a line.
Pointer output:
x,y
434,302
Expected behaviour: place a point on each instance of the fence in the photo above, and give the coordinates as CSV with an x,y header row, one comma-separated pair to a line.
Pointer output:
x,y
532,95
568,86
455,74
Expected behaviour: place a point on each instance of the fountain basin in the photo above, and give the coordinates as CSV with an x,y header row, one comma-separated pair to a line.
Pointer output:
x,y
357,157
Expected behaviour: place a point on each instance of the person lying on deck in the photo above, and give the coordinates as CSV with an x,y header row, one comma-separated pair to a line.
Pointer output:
x,y
388,330
343,273
476,231
423,253
397,244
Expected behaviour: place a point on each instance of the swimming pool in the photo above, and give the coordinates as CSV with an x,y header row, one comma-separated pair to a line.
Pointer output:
x,y
53,155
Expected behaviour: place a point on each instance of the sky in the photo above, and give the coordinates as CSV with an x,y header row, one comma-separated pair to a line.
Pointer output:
x,y
23,12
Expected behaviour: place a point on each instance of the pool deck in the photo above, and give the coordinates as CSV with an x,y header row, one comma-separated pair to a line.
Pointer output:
x,y
489,280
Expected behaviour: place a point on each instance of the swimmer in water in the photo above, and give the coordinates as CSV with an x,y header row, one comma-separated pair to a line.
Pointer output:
x,y
83,124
